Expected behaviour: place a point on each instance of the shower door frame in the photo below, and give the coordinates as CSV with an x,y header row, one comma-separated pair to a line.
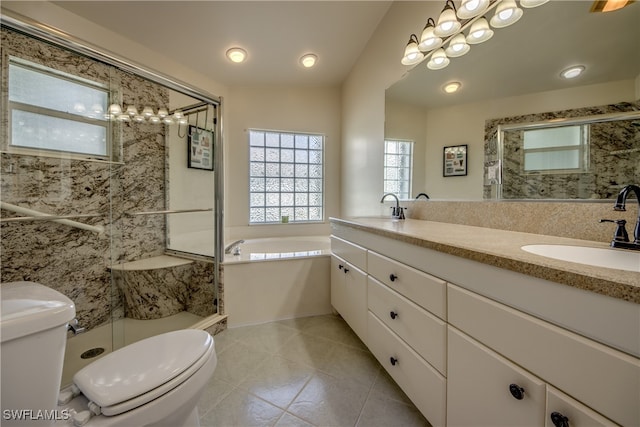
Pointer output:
x,y
59,38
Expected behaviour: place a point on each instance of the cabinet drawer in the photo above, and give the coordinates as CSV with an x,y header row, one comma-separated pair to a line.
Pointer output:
x,y
422,383
421,288
356,255
424,332
577,415
479,388
598,376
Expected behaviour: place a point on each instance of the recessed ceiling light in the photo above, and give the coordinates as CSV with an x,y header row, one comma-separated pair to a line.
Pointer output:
x,y
572,72
236,54
308,60
452,87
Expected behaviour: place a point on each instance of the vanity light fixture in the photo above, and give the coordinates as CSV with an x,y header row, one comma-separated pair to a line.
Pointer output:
x,y
452,87
308,60
412,55
458,46
448,23
480,31
507,13
470,8
438,60
449,29
572,72
236,54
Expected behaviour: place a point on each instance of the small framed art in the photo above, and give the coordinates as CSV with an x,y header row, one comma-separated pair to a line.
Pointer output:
x,y
455,161
200,146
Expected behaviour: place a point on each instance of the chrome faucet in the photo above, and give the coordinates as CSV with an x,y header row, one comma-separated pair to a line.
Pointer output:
x,y
426,196
233,247
621,238
396,212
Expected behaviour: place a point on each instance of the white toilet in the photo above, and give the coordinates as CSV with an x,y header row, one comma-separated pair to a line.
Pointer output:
x,y
153,382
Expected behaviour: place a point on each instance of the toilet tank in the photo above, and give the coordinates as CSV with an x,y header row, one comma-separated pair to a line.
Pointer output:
x,y
33,335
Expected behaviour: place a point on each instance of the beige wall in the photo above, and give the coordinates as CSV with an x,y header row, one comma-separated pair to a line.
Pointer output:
x,y
312,109
363,106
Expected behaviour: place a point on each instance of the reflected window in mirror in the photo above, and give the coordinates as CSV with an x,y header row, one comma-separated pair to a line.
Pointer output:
x,y
398,162
559,149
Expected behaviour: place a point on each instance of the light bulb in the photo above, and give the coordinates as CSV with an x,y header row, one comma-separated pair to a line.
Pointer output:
x,y
448,23
162,113
147,112
132,110
115,109
452,87
573,72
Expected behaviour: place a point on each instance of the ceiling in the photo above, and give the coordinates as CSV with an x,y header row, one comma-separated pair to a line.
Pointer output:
x,y
528,56
274,33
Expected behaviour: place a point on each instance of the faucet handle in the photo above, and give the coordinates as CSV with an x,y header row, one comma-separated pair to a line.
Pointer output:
x,y
620,234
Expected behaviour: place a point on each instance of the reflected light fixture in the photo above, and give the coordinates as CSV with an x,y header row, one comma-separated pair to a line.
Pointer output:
x,y
452,87
452,24
308,60
236,54
130,114
572,72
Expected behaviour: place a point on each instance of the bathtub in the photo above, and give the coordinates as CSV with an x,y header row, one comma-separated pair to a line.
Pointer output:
x,y
276,279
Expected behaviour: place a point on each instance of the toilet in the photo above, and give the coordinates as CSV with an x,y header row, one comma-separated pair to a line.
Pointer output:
x,y
154,382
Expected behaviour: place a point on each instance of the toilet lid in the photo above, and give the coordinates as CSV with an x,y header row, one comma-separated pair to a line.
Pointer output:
x,y
143,367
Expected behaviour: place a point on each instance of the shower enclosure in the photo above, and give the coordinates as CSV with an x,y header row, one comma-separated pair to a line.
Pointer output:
x,y
109,174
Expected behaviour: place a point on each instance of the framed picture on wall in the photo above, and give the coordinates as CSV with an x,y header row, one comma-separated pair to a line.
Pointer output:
x,y
200,148
455,160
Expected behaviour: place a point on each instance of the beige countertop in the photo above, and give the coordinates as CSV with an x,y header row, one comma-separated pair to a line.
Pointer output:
x,y
502,249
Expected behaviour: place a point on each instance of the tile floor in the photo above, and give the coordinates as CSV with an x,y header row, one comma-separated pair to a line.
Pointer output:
x,y
312,371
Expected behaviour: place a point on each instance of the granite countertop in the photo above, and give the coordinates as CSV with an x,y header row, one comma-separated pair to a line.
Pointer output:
x,y
502,249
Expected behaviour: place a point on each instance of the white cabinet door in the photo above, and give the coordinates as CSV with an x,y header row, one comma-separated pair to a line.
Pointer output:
x,y
563,411
349,295
485,389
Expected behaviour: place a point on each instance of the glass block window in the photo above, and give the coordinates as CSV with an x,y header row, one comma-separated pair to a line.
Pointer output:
x,y
560,149
51,110
398,159
285,177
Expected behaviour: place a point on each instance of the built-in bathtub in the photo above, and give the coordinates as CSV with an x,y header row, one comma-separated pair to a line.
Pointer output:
x,y
277,278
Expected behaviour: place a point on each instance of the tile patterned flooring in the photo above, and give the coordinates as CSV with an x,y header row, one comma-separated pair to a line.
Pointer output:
x,y
312,371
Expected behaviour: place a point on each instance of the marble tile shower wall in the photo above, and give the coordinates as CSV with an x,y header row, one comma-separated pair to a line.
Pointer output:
x,y
72,261
614,156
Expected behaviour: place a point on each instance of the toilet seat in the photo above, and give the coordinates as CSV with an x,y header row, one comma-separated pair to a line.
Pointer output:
x,y
141,372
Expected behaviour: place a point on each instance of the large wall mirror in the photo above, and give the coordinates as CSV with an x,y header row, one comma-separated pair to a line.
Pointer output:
x,y
514,78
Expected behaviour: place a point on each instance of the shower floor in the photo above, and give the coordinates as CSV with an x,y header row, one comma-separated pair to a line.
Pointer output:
x,y
120,332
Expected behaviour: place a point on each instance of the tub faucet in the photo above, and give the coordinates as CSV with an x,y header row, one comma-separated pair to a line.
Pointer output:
x,y
620,239
396,212
233,247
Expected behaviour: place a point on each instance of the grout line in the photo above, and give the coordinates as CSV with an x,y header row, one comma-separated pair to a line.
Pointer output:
x,y
368,395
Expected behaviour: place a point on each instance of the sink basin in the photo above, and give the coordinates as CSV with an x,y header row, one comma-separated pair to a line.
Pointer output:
x,y
599,257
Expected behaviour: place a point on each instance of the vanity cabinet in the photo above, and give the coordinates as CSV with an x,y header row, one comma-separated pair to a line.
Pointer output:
x,y
472,344
349,284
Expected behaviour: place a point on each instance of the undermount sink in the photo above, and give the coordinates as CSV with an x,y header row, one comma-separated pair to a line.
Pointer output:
x,y
599,257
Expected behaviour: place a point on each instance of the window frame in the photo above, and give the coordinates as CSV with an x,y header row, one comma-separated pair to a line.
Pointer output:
x,y
264,175
12,106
